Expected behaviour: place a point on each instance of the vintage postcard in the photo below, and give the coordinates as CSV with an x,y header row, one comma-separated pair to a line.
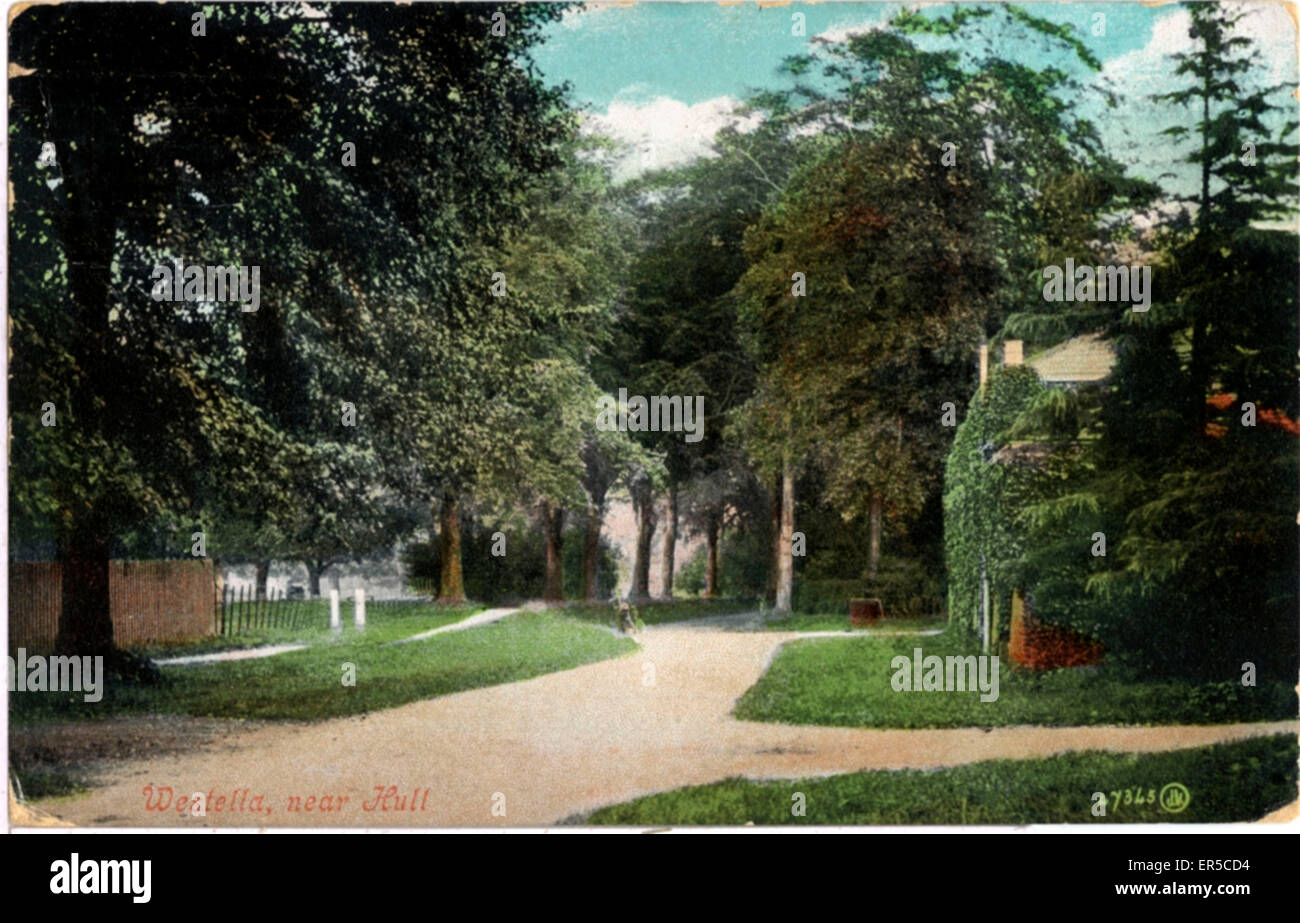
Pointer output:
x,y
652,415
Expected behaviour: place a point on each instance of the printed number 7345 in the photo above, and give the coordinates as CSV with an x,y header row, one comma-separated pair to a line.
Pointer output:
x,y
1132,796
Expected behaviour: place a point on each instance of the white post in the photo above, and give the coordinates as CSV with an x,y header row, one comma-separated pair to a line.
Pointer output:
x,y
359,608
335,625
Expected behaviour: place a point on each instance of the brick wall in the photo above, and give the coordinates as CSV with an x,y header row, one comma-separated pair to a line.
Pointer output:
x,y
1041,646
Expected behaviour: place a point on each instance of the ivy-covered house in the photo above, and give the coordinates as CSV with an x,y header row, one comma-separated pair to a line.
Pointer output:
x,y
991,479
1025,533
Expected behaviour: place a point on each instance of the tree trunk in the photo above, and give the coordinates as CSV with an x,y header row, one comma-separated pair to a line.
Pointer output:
x,y
644,504
1197,366
774,565
85,620
1198,376
263,571
785,570
553,537
451,586
670,541
713,533
218,586
873,545
591,546
314,571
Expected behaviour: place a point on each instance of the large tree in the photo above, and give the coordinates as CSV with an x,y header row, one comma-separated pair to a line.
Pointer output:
x,y
449,125
877,272
680,333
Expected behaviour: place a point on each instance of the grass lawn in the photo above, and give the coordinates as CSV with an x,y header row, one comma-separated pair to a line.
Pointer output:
x,y
384,620
809,621
1226,782
846,682
657,613
307,684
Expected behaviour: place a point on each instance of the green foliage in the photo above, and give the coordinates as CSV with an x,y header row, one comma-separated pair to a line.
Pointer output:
x,y
1232,782
520,574
908,257
180,412
689,577
983,500
905,586
743,561
1198,510
38,781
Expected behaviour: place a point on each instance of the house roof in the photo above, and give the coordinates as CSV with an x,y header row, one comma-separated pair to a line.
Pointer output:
x,y
1022,454
1085,358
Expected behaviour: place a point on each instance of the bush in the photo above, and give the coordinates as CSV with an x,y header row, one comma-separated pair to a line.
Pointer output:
x,y
520,574
907,588
689,578
742,568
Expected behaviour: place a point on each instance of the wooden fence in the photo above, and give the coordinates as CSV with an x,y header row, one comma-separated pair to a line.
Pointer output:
x,y
148,600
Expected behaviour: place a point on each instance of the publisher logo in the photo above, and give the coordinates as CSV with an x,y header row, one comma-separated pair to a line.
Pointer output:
x,y
1174,798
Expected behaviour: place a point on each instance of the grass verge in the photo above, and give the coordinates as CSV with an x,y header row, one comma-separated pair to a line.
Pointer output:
x,y
47,782
1239,781
308,684
846,682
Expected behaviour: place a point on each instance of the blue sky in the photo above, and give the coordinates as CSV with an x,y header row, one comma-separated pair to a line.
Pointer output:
x,y
663,76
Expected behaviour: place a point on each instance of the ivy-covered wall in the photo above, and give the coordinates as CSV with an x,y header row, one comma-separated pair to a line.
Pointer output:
x,y
982,500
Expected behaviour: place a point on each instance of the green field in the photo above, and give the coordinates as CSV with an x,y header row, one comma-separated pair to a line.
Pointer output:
x,y
1226,782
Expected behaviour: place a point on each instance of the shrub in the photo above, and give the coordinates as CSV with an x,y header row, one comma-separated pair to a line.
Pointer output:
x,y
521,573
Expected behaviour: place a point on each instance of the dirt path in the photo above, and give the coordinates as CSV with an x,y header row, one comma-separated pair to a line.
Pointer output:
x,y
559,745
247,653
486,617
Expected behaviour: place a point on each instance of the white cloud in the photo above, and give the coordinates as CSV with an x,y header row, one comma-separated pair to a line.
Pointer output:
x,y
1132,131
660,131
577,17
841,30
1266,24
841,33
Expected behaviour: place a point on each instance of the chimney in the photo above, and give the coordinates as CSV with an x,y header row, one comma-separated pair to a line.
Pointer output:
x,y
1013,353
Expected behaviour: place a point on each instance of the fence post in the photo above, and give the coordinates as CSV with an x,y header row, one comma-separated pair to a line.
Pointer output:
x,y
359,608
335,625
